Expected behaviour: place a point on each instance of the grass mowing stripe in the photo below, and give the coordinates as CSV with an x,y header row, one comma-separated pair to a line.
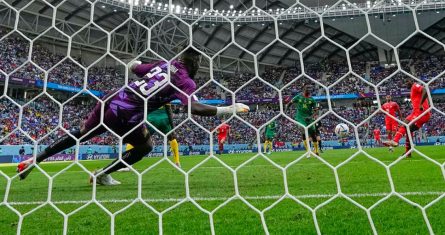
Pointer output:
x,y
362,179
218,167
225,198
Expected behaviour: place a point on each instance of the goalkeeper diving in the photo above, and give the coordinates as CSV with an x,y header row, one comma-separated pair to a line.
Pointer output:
x,y
123,111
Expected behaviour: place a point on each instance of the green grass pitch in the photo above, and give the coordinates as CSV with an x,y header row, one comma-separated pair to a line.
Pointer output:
x,y
262,184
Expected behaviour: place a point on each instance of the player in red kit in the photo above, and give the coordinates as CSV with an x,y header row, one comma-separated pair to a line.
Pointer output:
x,y
223,132
391,124
377,136
420,104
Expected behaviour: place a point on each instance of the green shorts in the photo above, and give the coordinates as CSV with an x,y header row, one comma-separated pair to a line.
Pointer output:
x,y
162,124
306,122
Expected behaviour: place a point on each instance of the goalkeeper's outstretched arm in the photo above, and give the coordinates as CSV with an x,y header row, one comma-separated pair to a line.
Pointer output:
x,y
208,110
202,109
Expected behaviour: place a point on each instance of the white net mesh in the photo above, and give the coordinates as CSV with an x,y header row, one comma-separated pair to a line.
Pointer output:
x,y
259,55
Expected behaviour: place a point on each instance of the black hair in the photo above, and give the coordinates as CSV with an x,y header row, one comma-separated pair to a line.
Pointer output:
x,y
190,58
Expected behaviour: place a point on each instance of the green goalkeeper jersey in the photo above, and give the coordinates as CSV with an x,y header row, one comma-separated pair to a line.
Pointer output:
x,y
305,107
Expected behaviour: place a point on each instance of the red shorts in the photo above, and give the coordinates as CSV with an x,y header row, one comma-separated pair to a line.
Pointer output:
x,y
222,139
377,138
391,125
419,123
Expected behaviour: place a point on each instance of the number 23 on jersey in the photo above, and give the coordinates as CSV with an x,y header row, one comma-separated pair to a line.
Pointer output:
x,y
152,85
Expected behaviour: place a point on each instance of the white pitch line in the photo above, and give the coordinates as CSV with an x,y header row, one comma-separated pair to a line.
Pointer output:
x,y
256,165
270,197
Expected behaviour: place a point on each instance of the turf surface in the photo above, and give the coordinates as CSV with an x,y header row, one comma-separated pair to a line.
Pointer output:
x,y
261,182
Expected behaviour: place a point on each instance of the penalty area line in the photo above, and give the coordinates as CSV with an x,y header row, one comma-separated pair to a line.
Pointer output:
x,y
270,197
301,163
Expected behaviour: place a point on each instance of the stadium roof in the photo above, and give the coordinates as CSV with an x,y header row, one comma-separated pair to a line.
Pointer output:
x,y
253,36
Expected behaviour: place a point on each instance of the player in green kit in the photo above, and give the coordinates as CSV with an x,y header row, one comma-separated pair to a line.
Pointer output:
x,y
306,110
270,135
163,121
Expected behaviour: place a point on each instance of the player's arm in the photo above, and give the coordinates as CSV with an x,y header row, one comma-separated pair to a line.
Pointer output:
x,y
138,68
133,64
141,69
208,110
424,96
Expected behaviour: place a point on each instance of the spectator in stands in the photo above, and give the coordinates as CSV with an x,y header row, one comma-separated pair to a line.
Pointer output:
x,y
22,151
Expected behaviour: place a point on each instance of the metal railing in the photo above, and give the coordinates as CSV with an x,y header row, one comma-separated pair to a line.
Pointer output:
x,y
295,12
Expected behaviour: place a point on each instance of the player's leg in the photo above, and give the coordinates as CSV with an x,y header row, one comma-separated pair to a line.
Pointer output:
x,y
314,140
270,144
129,146
164,126
131,156
175,148
390,134
305,144
389,130
142,144
221,146
221,141
394,126
389,137
415,127
412,128
266,144
400,132
303,135
65,142
408,143
320,145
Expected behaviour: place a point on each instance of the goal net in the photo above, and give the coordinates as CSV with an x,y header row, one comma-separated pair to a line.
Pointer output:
x,y
308,158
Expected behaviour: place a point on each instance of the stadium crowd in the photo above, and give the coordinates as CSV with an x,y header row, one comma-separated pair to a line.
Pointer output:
x,y
14,52
41,116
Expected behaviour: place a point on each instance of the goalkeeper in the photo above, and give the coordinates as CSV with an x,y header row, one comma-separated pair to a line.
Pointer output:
x,y
163,121
125,110
306,108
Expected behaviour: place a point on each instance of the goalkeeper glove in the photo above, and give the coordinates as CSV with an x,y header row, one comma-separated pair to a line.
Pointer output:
x,y
132,65
239,108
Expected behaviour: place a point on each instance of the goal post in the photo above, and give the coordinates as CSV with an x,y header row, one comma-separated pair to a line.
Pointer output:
x,y
60,58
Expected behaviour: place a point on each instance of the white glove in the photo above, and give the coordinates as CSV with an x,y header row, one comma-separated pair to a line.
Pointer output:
x,y
239,108
132,65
